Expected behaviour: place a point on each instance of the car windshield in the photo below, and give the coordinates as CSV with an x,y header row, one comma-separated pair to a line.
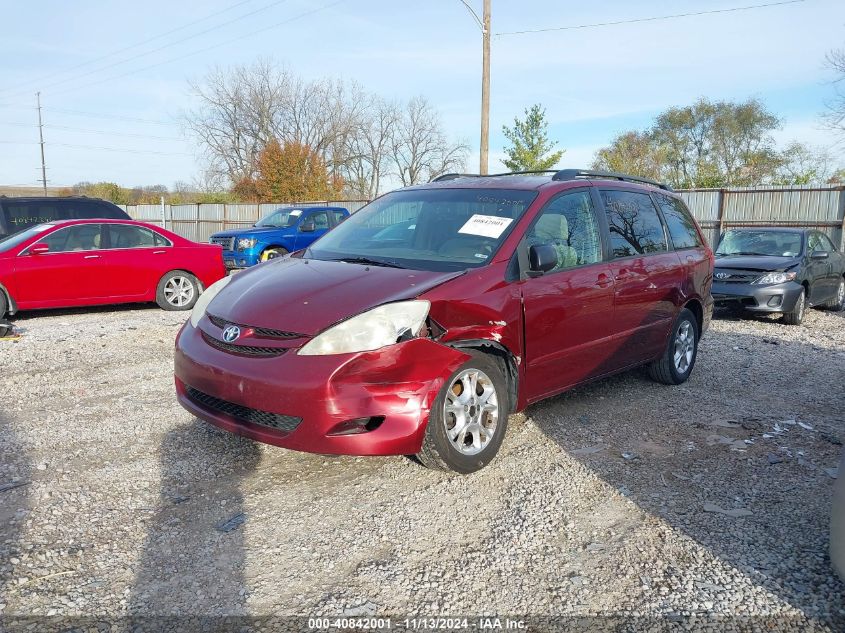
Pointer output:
x,y
426,229
10,241
767,243
281,218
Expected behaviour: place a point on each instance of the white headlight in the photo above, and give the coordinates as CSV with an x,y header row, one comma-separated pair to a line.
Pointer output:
x,y
775,278
246,242
376,328
205,298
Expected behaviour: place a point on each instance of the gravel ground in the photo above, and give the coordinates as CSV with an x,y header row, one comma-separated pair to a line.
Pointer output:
x,y
622,498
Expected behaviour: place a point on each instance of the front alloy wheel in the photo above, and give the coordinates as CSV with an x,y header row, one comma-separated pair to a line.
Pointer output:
x,y
469,417
796,315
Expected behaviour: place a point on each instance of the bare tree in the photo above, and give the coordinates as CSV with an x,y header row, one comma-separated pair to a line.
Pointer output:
x,y
419,147
835,115
369,149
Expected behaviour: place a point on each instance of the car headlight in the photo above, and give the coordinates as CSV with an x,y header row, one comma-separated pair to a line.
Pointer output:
x,y
775,278
205,298
246,242
373,329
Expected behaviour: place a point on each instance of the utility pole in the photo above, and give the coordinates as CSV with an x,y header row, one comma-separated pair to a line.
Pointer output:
x,y
485,89
41,142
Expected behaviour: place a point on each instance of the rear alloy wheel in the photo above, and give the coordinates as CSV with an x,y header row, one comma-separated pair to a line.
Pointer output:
x,y
177,290
676,364
273,252
796,315
469,418
836,304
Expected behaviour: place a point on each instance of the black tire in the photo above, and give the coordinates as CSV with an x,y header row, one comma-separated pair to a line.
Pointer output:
x,y
170,284
4,304
796,315
836,304
669,370
273,252
438,451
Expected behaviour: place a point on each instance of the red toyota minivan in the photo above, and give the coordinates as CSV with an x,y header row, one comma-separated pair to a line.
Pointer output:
x,y
419,324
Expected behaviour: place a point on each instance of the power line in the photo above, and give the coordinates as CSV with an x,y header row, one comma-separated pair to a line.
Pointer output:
x,y
104,149
164,46
651,19
109,116
109,133
204,50
130,47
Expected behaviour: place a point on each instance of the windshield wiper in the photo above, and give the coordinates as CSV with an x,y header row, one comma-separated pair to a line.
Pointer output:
x,y
368,261
748,253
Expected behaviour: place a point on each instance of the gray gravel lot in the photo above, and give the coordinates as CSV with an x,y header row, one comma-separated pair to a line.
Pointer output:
x,y
720,503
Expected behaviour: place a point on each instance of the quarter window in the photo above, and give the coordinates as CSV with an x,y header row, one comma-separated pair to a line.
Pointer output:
x,y
569,224
635,227
81,237
679,223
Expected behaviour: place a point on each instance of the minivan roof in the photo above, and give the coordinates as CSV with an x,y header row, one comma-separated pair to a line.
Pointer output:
x,y
4,198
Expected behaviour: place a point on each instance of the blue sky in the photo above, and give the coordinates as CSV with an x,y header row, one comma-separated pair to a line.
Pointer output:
x,y
124,108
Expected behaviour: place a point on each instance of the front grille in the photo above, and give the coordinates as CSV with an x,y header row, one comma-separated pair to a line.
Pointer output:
x,y
735,276
261,331
228,243
245,350
286,423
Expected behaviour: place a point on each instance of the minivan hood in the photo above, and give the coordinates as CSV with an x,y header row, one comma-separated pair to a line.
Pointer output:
x,y
309,295
253,230
756,262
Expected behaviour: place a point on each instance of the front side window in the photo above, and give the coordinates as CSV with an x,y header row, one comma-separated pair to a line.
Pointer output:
x,y
427,229
569,224
320,220
81,237
128,236
679,222
635,227
826,244
761,242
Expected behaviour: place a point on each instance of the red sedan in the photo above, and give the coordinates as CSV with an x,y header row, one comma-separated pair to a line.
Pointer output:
x,y
97,262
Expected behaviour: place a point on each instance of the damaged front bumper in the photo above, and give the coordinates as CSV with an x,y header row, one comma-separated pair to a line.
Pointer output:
x,y
366,403
758,298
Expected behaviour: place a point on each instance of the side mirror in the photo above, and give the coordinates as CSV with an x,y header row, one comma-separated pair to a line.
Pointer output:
x,y
819,255
39,249
307,227
541,259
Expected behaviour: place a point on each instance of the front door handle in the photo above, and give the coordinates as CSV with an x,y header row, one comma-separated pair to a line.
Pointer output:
x,y
159,252
92,257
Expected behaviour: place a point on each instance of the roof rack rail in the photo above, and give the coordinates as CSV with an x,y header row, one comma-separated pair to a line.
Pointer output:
x,y
507,173
572,174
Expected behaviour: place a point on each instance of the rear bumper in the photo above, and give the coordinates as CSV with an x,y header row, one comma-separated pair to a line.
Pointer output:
x,y
755,298
298,402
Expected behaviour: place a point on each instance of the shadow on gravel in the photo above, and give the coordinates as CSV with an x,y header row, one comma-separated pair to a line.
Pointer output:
x,y
192,563
59,312
673,465
15,477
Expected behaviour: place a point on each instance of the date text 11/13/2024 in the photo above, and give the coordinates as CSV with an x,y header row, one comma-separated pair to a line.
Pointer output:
x,y
418,624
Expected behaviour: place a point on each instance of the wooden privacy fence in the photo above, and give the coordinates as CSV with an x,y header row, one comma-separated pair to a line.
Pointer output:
x,y
820,207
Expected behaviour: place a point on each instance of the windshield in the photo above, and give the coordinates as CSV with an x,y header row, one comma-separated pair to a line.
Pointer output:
x,y
427,229
281,218
768,243
10,241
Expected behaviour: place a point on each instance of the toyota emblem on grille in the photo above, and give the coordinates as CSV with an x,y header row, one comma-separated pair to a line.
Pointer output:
x,y
723,275
231,333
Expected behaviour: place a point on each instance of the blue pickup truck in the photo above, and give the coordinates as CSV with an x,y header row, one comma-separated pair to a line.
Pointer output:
x,y
285,230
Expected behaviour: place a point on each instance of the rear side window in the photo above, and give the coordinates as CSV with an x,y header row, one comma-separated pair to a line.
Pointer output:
x,y
320,220
128,236
338,217
635,227
88,209
22,215
679,222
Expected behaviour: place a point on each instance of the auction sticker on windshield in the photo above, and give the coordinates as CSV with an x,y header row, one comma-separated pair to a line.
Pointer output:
x,y
486,226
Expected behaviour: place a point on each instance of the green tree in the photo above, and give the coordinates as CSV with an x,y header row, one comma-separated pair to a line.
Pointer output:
x,y
530,149
633,153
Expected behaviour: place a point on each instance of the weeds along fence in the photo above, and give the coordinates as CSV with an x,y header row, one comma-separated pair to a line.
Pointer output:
x,y
813,206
